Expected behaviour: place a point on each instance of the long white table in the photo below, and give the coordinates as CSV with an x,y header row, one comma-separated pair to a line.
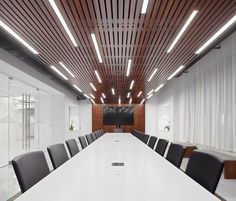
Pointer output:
x,y
145,176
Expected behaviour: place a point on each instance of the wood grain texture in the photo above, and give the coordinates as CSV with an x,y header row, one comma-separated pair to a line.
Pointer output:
x,y
139,118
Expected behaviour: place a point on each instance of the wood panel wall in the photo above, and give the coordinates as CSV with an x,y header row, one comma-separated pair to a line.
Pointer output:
x,y
139,118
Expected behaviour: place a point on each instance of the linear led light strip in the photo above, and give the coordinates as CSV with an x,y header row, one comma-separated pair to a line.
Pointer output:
x,y
103,95
119,101
86,96
59,15
154,72
216,35
128,68
102,100
150,92
131,84
16,36
93,87
59,72
142,101
98,77
144,6
139,93
77,88
158,88
66,69
113,91
150,96
92,96
130,101
175,73
187,23
92,100
128,95
95,43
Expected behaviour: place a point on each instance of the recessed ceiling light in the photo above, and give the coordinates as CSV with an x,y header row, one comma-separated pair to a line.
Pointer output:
x,y
102,100
150,96
77,88
175,73
216,35
16,36
98,77
144,6
131,84
59,72
187,23
66,69
154,72
128,68
92,96
130,101
103,95
95,43
128,94
59,15
139,93
142,101
92,100
93,87
86,96
113,91
119,101
158,88
150,92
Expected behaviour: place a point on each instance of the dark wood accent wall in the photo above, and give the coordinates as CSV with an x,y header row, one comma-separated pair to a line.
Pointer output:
x,y
139,118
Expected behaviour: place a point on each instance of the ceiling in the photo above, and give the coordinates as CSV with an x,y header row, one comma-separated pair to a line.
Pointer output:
x,y
122,33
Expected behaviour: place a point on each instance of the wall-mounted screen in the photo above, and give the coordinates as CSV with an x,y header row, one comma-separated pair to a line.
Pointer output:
x,y
118,115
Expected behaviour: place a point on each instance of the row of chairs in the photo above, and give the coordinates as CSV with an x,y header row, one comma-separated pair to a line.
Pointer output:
x,y
202,167
32,167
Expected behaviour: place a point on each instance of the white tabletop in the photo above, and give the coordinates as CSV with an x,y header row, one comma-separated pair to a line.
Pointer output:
x,y
89,176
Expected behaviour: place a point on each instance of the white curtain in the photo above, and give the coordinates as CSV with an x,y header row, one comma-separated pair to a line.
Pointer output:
x,y
204,100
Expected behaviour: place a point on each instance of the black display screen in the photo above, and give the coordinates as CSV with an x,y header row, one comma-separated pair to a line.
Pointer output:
x,y
118,115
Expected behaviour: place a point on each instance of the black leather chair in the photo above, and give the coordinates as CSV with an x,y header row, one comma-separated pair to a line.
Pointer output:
x,y
97,134
72,147
205,169
152,142
58,155
93,136
145,138
82,141
89,139
30,168
175,154
161,146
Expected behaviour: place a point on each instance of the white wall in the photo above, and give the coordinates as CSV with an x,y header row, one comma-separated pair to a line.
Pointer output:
x,y
85,116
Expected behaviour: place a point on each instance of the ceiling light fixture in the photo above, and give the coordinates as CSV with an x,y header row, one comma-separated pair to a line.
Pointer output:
x,y
175,73
93,87
128,68
16,36
102,100
66,69
187,23
86,96
92,96
113,91
144,6
103,95
158,88
128,95
95,43
130,101
216,35
139,93
142,101
154,72
119,101
150,92
59,72
92,100
98,77
77,88
59,15
150,96
131,84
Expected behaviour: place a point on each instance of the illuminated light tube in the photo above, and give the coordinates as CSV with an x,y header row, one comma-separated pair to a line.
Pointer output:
x,y
216,35
59,15
59,72
92,100
154,72
93,87
128,95
77,88
66,69
175,73
92,96
187,23
144,6
150,92
113,91
102,100
103,95
132,84
150,96
86,96
16,36
95,43
98,77
158,88
139,93
130,101
128,68
142,101
119,101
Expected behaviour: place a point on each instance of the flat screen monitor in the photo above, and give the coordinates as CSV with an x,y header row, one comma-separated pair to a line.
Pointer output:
x,y
113,115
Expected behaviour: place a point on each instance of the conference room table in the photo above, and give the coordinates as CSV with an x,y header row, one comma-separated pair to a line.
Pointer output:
x,y
117,167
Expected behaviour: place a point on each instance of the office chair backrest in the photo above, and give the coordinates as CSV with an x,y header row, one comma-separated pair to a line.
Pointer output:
x,y
205,169
72,147
93,136
175,154
89,138
152,142
82,142
145,138
161,146
30,168
58,155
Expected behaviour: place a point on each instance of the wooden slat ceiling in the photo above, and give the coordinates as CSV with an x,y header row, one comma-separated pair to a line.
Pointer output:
x,y
122,32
